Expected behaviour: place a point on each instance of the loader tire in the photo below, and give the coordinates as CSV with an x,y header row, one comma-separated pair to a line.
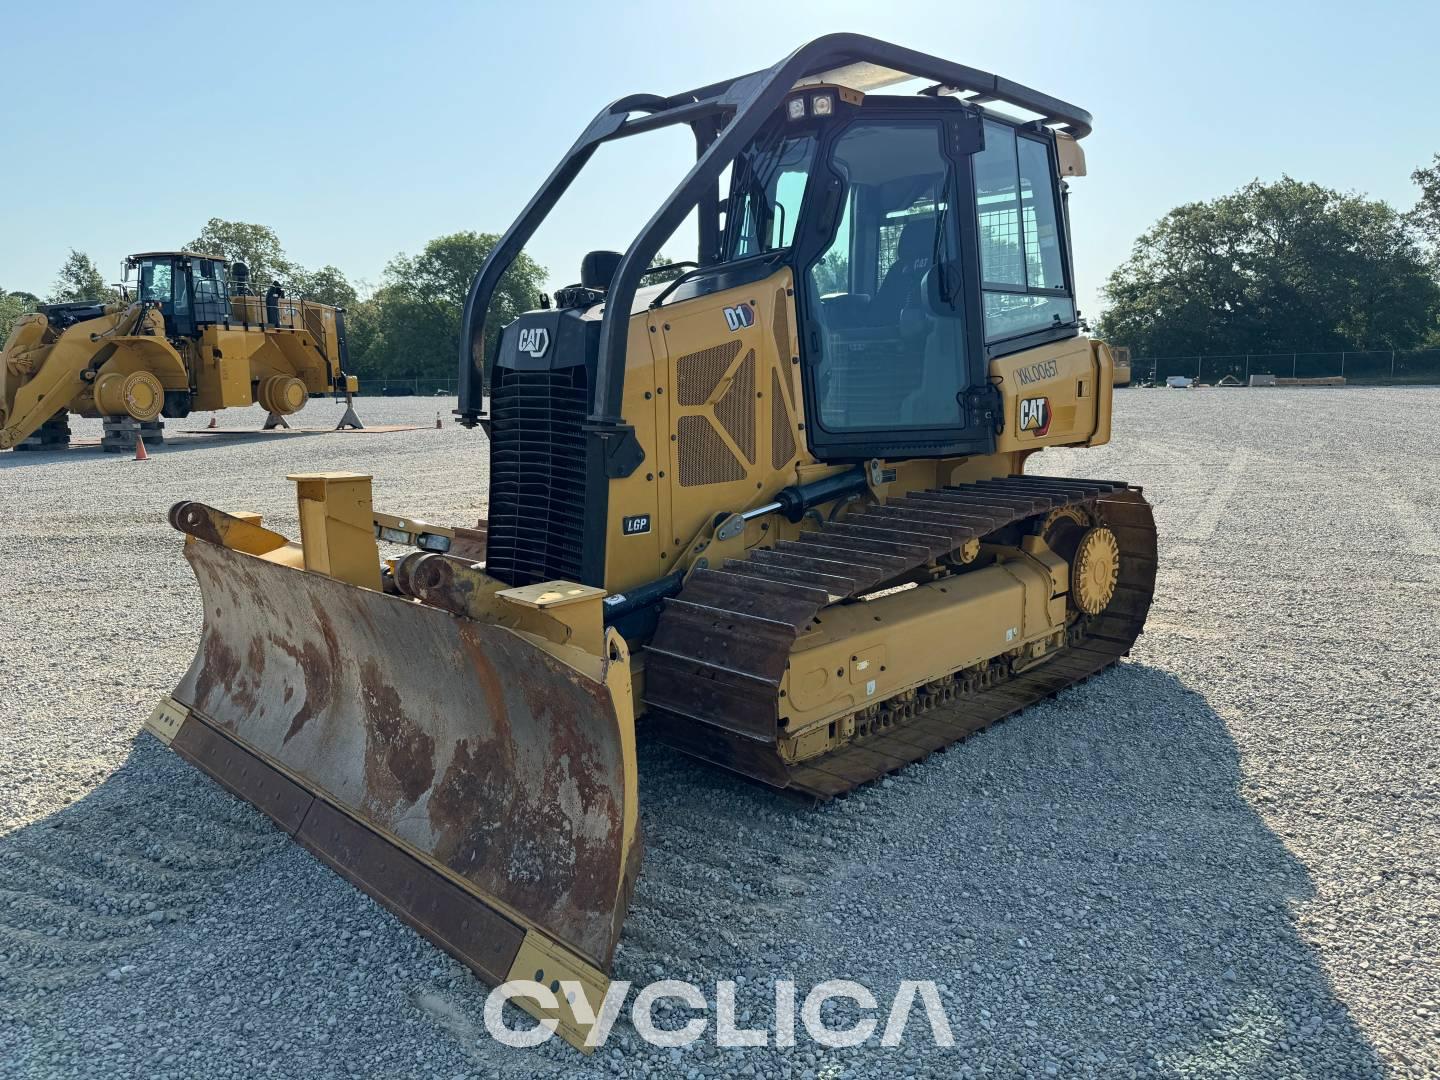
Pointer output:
x,y
138,395
282,395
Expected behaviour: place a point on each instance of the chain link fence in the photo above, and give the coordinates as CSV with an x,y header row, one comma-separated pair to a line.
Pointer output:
x,y
1376,368
386,386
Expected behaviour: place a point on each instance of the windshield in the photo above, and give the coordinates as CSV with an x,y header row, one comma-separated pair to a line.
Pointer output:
x,y
765,195
155,280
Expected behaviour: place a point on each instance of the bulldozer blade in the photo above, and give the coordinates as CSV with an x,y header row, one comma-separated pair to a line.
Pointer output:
x,y
476,780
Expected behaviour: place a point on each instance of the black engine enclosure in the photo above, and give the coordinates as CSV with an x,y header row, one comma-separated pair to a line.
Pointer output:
x,y
547,514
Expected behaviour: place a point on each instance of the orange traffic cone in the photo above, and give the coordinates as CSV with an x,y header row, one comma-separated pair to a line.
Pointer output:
x,y
212,421
140,454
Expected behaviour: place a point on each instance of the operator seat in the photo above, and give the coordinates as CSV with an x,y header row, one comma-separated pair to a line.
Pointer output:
x,y
901,287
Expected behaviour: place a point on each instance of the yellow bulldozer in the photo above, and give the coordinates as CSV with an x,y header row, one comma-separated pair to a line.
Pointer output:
x,y
777,509
194,337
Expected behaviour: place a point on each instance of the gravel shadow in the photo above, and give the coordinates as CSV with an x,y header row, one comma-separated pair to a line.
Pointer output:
x,y
1087,882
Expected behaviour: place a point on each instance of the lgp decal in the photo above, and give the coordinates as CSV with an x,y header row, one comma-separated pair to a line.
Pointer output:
x,y
739,317
1035,415
534,340
635,524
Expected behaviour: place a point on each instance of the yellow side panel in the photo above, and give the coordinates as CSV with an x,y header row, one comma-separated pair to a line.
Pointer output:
x,y
634,557
223,379
713,393
1107,377
864,653
233,359
1055,395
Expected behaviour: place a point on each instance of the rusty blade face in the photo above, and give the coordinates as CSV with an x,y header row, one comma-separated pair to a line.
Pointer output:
x,y
459,740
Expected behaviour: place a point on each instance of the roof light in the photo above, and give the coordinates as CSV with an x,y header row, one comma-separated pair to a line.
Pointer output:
x,y
795,108
822,104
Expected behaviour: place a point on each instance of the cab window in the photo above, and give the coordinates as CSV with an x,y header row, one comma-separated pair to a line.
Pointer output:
x,y
767,188
212,293
155,280
1022,264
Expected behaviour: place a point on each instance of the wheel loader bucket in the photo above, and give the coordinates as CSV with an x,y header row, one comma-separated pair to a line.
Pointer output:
x,y
477,779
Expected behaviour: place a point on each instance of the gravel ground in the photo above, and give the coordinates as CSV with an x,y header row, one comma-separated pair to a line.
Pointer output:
x,y
1218,859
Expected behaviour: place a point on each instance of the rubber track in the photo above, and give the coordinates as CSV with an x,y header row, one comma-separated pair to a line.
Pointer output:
x,y
714,666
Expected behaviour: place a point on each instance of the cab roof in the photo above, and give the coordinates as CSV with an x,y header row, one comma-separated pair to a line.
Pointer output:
x,y
175,254
868,64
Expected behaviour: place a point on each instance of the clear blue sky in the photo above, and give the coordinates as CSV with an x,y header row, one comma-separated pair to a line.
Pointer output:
x,y
360,130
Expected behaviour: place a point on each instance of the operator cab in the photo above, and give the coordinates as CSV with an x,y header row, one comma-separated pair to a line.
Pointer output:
x,y
925,237
192,289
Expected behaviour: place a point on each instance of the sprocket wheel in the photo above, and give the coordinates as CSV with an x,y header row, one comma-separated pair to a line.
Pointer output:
x,y
1095,570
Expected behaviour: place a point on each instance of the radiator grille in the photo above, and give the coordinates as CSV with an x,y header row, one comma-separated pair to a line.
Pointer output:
x,y
703,456
537,475
736,410
782,440
697,374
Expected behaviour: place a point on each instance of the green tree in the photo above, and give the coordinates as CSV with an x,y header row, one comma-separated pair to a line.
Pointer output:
x,y
1426,215
80,279
256,246
661,259
12,306
326,285
1283,266
411,326
1425,219
363,333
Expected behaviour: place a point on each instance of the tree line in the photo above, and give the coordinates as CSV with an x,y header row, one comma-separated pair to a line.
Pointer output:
x,y
1287,266
1283,266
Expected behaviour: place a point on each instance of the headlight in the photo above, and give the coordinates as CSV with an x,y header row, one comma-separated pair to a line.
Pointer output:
x,y
795,108
822,105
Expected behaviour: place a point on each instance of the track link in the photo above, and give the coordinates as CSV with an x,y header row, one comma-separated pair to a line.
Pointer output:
x,y
714,666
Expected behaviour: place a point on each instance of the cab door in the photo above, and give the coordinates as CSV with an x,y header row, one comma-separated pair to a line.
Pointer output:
x,y
893,363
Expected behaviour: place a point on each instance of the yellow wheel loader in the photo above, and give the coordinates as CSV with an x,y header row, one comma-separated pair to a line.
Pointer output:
x,y
777,509
194,338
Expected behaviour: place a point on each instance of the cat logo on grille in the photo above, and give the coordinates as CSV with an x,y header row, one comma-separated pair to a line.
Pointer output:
x,y
1035,415
739,317
534,340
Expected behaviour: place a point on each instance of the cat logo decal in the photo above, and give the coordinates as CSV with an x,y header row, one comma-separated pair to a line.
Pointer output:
x,y
1035,416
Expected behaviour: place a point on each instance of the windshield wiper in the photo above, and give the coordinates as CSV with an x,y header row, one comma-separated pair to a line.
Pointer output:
x,y
941,246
